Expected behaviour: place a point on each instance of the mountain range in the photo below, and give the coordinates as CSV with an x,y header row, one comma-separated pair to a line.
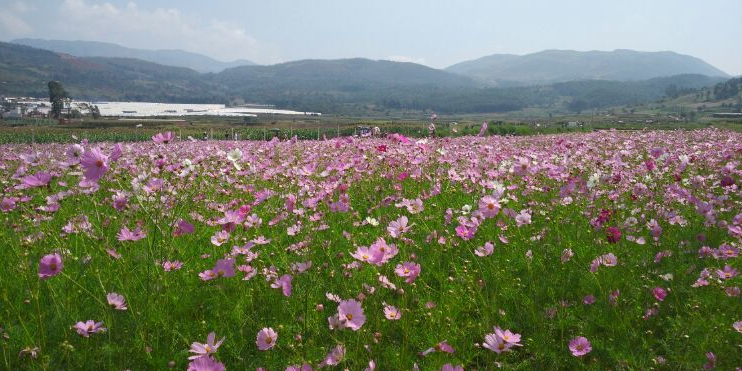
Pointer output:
x,y
550,66
344,86
168,57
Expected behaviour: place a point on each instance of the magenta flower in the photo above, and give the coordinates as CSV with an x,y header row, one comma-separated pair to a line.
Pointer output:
x,y
116,301
163,138
95,164
351,314
50,265
200,350
205,363
659,293
408,270
580,346
450,367
266,338
613,234
89,327
589,299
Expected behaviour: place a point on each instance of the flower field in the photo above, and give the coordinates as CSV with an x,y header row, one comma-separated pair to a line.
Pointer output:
x,y
601,250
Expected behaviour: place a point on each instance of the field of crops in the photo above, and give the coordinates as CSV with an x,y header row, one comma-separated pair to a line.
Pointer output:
x,y
605,250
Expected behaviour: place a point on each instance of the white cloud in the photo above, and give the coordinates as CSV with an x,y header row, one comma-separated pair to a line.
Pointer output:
x,y
160,28
403,58
11,21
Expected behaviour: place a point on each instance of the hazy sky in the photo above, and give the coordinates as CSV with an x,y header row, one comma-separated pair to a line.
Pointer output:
x,y
434,33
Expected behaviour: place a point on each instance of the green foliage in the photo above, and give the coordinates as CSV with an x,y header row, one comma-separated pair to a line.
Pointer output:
x,y
57,97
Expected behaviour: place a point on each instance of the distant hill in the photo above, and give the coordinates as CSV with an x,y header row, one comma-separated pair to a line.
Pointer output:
x,y
174,57
345,86
25,71
550,66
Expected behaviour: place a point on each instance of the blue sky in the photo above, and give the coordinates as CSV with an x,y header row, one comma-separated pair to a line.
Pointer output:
x,y
434,33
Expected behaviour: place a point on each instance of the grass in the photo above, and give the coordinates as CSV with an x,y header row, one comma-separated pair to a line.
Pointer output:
x,y
458,296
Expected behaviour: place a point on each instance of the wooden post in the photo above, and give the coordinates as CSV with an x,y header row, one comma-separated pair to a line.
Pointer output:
x,y
338,131
317,132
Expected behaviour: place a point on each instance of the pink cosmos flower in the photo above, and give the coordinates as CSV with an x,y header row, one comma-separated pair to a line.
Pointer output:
x,y
88,327
510,338
219,238
266,338
727,273
95,164
710,361
224,268
589,299
489,206
362,253
351,314
50,265
205,363
737,326
381,252
409,270
128,235
609,260
398,227
116,301
659,293
495,344
172,265
580,346
163,138
182,227
40,179
450,367
200,350
74,152
567,254
8,204
523,218
208,275
392,313
334,356
284,283
485,250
